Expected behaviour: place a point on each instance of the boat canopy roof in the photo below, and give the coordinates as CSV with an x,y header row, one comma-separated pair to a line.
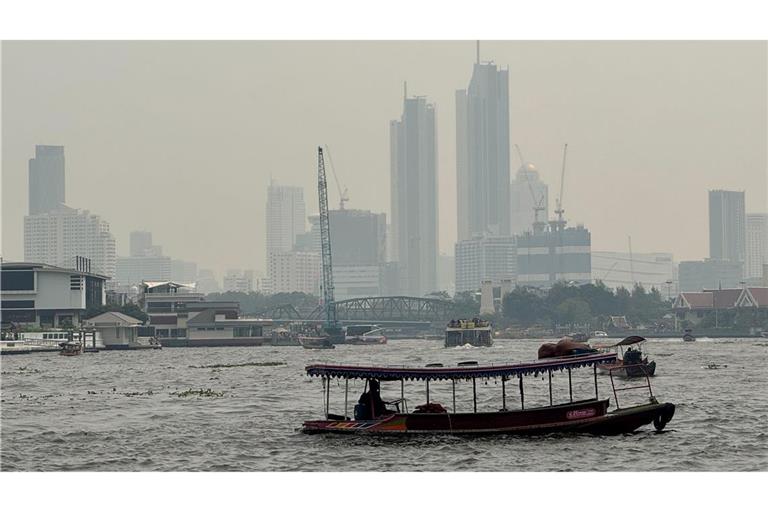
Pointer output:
x,y
629,340
459,372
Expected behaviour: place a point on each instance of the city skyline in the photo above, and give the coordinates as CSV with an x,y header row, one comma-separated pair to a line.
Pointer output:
x,y
553,86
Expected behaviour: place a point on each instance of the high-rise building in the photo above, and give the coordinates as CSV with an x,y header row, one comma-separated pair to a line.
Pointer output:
x,y
413,194
294,271
358,251
133,270
237,281
286,217
484,258
207,282
555,254
727,226
57,237
46,179
141,244
710,274
527,194
183,271
482,153
757,245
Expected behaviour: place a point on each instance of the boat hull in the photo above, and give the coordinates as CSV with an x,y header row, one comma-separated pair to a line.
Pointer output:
x,y
619,370
480,337
589,416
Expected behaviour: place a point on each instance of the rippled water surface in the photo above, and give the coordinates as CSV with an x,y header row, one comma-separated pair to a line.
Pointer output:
x,y
121,411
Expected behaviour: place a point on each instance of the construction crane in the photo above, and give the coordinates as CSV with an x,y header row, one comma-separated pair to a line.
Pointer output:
x,y
343,196
538,226
560,223
329,305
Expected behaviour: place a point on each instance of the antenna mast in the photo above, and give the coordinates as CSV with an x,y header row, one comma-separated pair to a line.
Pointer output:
x,y
560,223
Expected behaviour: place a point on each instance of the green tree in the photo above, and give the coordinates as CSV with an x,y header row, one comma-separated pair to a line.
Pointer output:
x,y
573,311
523,306
467,305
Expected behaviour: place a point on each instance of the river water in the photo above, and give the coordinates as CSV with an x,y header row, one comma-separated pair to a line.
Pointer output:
x,y
128,411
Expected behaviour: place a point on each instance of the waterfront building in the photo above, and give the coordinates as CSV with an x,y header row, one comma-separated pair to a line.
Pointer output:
x,y
484,258
47,296
237,281
482,153
757,245
651,270
57,237
171,305
413,196
727,226
526,192
46,179
709,274
116,330
554,254
694,307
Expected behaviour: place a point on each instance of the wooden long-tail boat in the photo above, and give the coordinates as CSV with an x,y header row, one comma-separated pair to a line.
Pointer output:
x,y
589,415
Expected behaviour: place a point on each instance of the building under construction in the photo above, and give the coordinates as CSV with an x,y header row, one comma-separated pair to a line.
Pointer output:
x,y
553,254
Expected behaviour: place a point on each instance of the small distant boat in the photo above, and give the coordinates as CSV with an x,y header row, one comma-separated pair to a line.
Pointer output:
x,y
364,335
284,338
714,366
631,363
579,337
475,332
316,342
688,336
71,348
600,334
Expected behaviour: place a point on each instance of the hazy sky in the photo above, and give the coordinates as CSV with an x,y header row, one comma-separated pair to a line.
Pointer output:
x,y
181,138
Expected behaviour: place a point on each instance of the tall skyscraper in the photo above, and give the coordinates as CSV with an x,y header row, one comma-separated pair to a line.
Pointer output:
x,y
757,245
57,237
46,179
413,194
727,226
527,192
484,258
286,217
140,243
482,153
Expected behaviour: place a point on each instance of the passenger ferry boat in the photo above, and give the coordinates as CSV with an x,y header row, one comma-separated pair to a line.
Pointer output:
x,y
375,416
71,348
475,332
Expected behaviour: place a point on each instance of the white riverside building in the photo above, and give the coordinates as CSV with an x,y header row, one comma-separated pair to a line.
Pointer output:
x,y
47,296
57,237
757,245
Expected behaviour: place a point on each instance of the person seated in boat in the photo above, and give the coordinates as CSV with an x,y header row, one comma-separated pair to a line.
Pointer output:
x,y
371,405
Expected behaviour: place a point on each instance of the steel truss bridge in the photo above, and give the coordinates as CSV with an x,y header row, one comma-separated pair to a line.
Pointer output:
x,y
376,309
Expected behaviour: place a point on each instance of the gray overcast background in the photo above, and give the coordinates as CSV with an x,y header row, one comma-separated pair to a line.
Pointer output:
x,y
181,138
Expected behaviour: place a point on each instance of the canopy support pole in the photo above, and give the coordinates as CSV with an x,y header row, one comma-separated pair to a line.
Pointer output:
x,y
402,392
522,394
596,393
570,385
503,393
327,382
453,382
474,394
346,397
427,390
550,386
